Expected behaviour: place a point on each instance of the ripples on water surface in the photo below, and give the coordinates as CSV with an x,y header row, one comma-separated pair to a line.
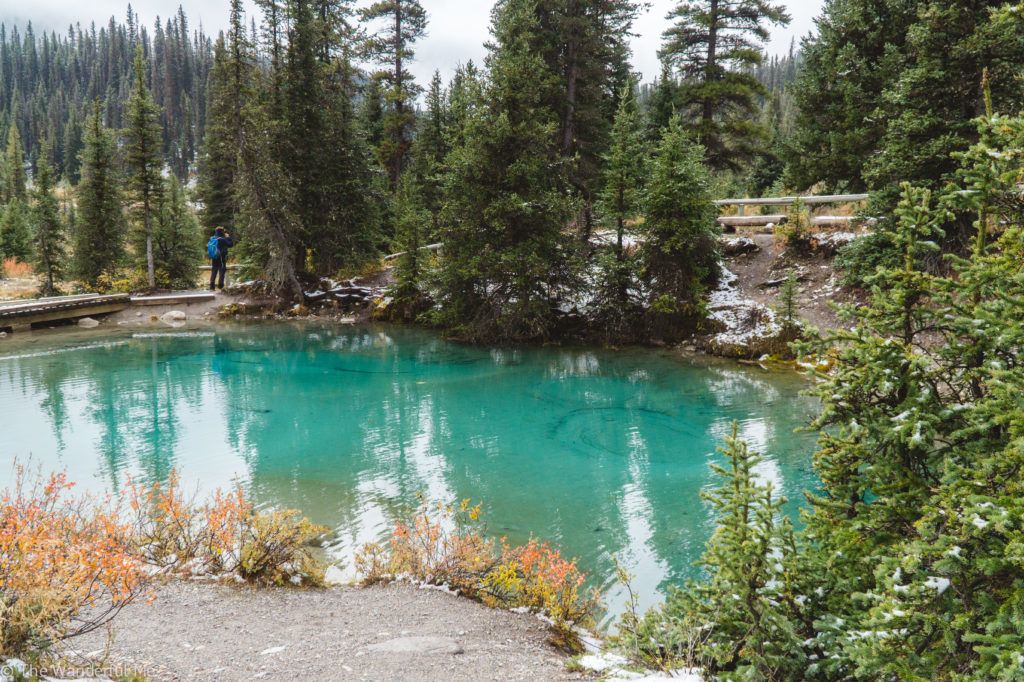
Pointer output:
x,y
603,453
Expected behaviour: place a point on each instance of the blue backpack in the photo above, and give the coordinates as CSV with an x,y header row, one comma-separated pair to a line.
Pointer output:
x,y
213,248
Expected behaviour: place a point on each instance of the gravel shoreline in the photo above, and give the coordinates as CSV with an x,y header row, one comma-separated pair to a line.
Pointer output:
x,y
206,631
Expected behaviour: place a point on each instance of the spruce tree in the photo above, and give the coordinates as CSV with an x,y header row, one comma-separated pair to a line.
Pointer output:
x,y
266,207
405,22
618,303
48,228
429,152
143,158
321,151
737,621
680,233
507,258
99,239
465,95
15,233
713,45
15,178
231,82
408,294
177,237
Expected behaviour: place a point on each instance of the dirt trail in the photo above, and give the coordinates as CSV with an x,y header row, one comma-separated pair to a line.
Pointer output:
x,y
818,283
203,631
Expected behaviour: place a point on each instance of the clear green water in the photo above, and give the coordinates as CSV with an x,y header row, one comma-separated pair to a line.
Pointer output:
x,y
602,452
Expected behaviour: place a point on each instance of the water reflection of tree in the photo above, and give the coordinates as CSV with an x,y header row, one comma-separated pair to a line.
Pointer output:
x,y
129,389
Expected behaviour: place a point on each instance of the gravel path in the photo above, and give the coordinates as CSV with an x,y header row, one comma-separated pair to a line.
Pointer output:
x,y
202,631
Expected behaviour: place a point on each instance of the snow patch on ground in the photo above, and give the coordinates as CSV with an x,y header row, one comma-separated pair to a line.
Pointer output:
x,y
614,668
743,319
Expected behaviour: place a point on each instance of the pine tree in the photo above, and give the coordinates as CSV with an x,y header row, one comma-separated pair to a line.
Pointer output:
x,y
15,234
680,247
408,295
507,257
266,206
143,157
99,239
48,228
737,621
405,22
618,303
231,82
15,178
714,44
321,152
430,149
465,95
177,237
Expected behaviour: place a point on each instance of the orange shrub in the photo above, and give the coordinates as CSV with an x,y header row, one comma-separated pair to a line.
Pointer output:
x,y
445,545
14,269
224,536
59,555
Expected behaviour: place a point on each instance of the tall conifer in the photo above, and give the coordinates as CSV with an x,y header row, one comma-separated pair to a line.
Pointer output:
x,y
99,238
143,158
713,45
48,228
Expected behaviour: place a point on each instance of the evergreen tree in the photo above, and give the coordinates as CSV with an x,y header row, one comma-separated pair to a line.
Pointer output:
x,y
507,259
585,44
371,117
48,234
48,95
143,158
409,299
465,95
618,303
266,200
680,247
714,44
661,103
322,153
405,22
15,235
908,564
888,90
15,178
231,82
99,239
177,237
430,149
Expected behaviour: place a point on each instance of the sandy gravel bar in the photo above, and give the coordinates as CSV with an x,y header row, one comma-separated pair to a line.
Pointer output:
x,y
203,631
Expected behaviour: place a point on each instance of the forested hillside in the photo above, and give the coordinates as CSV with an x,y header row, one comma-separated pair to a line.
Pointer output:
x,y
48,82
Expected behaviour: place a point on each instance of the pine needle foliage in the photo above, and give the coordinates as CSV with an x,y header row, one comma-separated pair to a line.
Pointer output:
x,y
507,258
908,567
680,249
99,238
48,235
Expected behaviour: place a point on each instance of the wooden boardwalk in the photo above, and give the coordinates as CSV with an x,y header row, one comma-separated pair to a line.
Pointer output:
x,y
17,315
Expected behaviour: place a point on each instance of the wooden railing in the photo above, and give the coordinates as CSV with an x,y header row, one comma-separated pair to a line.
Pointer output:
x,y
787,201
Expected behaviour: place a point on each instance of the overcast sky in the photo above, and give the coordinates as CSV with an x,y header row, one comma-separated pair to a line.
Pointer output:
x,y
457,28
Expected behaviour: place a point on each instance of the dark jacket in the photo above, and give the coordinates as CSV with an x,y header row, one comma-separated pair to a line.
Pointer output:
x,y
223,244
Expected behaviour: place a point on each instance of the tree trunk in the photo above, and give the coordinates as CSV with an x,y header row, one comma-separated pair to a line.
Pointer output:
x,y
399,151
571,77
150,265
711,68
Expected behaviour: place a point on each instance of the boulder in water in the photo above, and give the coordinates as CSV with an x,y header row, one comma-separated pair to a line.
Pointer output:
x,y
88,323
174,318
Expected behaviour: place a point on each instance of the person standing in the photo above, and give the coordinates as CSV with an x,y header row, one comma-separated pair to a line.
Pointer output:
x,y
217,250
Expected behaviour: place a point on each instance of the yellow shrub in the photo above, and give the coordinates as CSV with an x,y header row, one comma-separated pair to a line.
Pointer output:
x,y
445,545
226,535
275,550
